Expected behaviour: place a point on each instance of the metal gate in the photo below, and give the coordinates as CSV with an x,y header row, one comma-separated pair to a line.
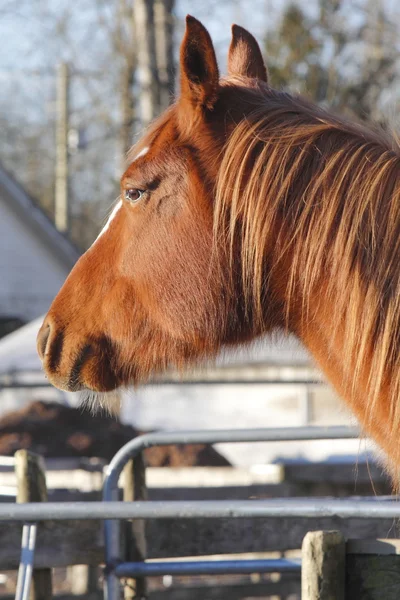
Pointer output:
x,y
112,511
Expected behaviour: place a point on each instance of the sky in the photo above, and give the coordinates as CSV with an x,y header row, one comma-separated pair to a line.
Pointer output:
x,y
33,45
28,26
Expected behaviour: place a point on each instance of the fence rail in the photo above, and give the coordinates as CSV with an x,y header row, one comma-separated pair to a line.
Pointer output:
x,y
292,517
289,508
216,509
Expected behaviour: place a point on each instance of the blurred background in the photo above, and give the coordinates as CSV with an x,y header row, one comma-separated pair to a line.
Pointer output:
x,y
79,83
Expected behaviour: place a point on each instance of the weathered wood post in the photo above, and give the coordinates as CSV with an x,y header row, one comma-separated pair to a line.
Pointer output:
x,y
83,580
135,531
31,487
323,566
373,569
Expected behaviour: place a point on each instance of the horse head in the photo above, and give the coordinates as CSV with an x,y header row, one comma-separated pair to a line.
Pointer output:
x,y
155,289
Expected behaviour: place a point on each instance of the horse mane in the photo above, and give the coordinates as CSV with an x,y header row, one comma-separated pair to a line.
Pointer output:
x,y
331,189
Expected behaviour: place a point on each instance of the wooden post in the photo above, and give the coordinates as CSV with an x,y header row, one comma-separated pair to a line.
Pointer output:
x,y
136,550
31,487
373,569
323,566
83,580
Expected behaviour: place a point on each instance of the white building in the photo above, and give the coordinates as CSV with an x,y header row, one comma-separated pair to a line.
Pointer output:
x,y
35,257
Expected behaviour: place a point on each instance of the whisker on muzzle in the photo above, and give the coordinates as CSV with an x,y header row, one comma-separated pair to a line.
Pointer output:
x,y
108,403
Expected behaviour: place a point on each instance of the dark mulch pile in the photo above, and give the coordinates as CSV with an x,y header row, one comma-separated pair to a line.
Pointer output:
x,y
53,430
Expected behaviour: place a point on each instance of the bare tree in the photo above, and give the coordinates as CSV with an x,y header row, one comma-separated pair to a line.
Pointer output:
x,y
164,33
148,80
347,65
120,54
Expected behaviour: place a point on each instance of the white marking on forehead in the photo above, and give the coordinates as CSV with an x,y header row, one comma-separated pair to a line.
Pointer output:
x,y
143,152
110,218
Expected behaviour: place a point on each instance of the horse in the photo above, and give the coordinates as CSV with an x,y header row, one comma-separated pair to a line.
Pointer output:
x,y
244,210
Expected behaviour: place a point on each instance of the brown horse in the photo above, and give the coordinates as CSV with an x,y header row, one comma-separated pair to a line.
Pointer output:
x,y
243,210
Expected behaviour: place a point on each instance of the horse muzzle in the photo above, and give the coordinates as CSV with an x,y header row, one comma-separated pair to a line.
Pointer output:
x,y
73,366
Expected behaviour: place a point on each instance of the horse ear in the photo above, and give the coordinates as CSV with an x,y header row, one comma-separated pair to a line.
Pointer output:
x,y
199,69
245,56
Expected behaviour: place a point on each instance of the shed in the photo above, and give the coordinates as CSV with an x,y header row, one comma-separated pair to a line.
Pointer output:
x,y
35,258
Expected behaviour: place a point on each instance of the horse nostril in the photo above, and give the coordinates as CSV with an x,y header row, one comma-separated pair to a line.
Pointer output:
x,y
42,339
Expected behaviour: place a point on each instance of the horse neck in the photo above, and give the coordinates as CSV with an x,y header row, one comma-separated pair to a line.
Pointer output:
x,y
343,290
374,415
315,203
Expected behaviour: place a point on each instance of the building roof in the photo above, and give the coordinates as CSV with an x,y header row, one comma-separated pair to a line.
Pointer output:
x,y
36,219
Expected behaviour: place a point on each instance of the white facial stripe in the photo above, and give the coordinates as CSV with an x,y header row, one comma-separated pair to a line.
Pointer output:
x,y
110,218
143,152
116,208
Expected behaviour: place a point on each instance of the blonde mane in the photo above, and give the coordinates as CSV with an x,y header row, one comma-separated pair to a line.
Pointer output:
x,y
329,193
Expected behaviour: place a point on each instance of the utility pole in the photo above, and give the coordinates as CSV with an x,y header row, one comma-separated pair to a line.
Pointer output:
x,y
127,111
164,26
128,70
149,99
61,208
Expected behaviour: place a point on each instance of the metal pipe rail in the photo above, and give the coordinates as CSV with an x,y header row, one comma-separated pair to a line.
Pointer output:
x,y
24,580
28,545
35,512
207,567
281,434
192,509
111,510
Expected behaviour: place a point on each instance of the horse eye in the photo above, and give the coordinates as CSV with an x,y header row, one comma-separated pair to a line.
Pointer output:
x,y
133,194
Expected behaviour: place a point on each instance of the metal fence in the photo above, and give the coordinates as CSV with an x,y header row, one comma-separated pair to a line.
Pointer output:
x,y
113,511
